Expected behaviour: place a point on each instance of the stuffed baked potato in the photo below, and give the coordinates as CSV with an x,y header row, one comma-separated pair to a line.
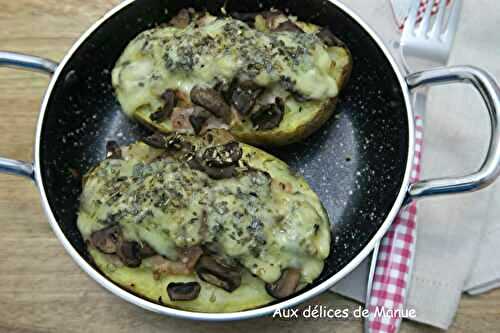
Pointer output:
x,y
202,223
268,78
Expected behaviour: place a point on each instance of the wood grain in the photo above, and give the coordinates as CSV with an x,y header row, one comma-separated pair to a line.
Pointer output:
x,y
41,289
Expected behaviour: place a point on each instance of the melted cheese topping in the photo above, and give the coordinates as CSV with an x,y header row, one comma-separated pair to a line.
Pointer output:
x,y
217,51
250,218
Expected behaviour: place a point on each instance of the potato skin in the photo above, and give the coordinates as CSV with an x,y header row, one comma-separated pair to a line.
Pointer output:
x,y
140,282
279,136
252,293
283,136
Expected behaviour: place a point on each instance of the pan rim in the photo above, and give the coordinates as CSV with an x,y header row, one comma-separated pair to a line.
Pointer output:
x,y
240,315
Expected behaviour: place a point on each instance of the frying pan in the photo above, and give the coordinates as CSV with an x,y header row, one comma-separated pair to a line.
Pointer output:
x,y
358,163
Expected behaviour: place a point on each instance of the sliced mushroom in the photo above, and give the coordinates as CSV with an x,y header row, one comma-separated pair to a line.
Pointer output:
x,y
272,18
113,150
218,274
269,116
248,18
106,240
193,162
146,250
288,26
273,13
169,96
165,112
329,38
182,19
220,173
198,119
156,140
204,20
286,284
176,142
110,240
211,100
290,85
129,253
214,172
243,95
183,291
197,122
220,86
222,155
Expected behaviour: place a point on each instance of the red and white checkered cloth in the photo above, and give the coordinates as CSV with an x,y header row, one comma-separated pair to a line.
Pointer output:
x,y
397,249
395,257
400,9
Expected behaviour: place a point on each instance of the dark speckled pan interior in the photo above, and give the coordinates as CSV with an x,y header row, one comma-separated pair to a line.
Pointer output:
x,y
355,162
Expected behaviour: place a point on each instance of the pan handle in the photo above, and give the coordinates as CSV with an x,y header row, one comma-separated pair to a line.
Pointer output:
x,y
23,61
486,85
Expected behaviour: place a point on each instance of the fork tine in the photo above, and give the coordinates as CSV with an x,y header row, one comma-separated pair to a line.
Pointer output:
x,y
424,26
438,24
412,16
453,20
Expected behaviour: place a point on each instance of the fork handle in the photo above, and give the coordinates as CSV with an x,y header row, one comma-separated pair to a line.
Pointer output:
x,y
420,102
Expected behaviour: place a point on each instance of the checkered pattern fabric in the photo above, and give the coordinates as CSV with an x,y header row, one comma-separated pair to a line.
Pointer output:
x,y
401,8
395,259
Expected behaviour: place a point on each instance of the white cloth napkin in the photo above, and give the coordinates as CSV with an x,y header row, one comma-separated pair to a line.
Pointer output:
x,y
486,273
457,236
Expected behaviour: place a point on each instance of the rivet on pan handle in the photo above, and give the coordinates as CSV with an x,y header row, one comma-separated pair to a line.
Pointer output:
x,y
490,169
23,61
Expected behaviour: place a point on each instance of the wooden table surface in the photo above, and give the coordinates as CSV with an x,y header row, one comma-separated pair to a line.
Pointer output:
x,y
41,289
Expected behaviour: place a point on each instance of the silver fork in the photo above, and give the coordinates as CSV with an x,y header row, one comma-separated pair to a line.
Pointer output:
x,y
430,41
424,40
427,41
